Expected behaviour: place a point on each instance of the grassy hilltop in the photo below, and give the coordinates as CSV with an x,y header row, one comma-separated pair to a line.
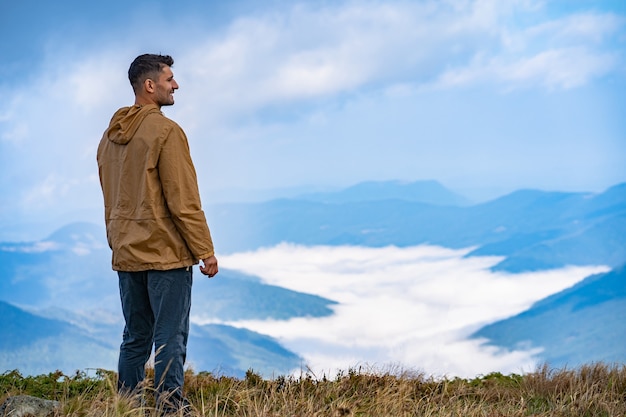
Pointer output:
x,y
590,390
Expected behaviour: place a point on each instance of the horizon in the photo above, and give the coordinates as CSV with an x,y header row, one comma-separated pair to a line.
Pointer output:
x,y
35,231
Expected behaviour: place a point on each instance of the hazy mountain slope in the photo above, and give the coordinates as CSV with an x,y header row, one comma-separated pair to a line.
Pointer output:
x,y
600,241
20,328
588,229
582,324
532,229
429,192
228,350
236,296
71,269
74,319
36,345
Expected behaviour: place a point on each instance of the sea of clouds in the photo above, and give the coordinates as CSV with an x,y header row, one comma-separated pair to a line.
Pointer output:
x,y
400,308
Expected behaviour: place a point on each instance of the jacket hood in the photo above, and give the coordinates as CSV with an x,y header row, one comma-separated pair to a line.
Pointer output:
x,y
126,121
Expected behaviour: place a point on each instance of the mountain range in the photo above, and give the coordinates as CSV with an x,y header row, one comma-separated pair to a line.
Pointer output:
x,y
59,295
532,229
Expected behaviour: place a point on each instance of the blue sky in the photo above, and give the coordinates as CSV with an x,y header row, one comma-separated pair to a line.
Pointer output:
x,y
485,96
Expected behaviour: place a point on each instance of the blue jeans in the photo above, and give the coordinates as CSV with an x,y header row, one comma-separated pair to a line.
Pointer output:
x,y
156,307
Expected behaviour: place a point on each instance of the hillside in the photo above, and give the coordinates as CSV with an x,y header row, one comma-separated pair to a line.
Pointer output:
x,y
237,296
228,350
72,268
593,390
36,345
69,316
579,325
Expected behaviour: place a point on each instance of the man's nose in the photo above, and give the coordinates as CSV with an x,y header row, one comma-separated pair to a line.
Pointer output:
x,y
174,85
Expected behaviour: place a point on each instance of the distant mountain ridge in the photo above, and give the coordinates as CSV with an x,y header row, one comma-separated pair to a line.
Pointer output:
x,y
532,229
429,192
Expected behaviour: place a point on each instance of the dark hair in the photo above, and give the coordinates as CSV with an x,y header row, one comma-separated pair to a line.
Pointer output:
x,y
147,66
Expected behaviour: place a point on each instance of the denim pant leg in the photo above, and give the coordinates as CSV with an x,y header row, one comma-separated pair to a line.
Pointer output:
x,y
170,298
138,332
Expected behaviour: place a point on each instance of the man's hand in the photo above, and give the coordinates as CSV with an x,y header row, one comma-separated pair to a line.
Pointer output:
x,y
210,266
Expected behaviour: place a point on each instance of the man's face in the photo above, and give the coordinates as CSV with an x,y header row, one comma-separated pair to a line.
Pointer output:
x,y
165,86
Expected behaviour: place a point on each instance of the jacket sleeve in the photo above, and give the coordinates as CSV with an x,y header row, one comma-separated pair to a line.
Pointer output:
x,y
180,189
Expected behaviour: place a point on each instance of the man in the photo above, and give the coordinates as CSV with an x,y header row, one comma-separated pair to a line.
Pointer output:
x,y
156,229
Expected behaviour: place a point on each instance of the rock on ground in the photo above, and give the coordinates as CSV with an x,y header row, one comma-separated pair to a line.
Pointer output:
x,y
27,406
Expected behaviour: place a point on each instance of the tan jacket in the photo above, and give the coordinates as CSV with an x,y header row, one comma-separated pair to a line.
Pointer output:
x,y
154,219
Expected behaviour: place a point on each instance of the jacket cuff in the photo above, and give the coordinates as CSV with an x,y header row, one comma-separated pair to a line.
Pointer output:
x,y
206,255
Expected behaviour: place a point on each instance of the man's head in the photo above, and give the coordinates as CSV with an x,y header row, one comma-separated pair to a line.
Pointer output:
x,y
152,79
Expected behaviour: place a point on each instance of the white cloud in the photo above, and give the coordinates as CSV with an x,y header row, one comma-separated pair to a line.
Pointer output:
x,y
305,52
589,28
564,68
37,247
563,53
555,69
51,129
410,306
93,85
55,188
16,133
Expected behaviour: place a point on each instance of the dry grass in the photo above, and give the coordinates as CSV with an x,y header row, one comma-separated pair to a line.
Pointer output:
x,y
591,390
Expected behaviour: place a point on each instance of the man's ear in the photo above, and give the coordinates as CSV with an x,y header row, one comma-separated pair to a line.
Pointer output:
x,y
149,85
